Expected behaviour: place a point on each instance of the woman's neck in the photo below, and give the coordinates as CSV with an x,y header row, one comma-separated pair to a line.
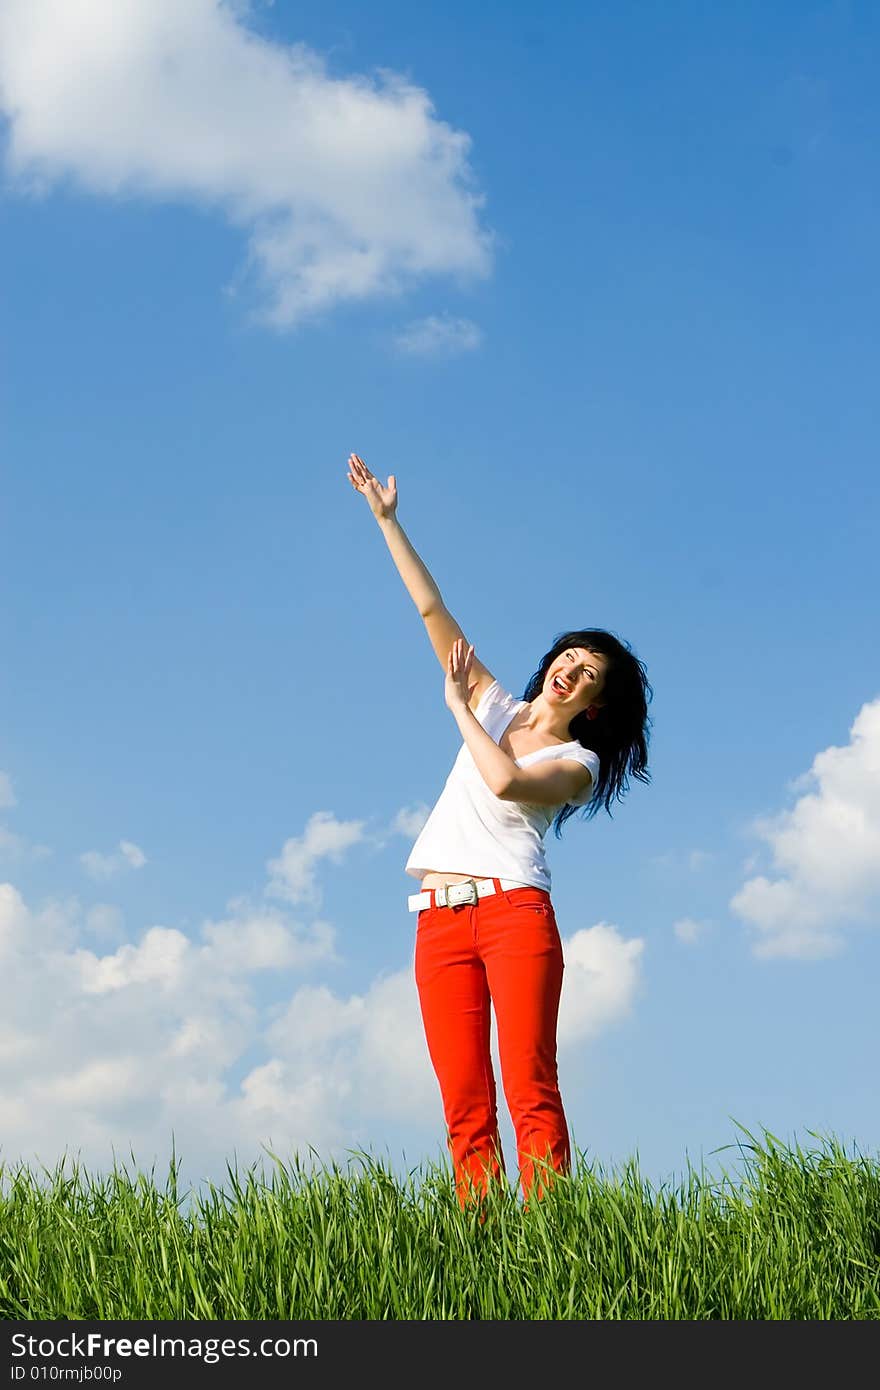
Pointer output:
x,y
541,720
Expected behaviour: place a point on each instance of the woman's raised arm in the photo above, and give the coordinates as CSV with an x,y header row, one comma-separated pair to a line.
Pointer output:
x,y
441,627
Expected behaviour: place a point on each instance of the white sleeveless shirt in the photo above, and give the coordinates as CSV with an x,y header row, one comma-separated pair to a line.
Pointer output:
x,y
472,831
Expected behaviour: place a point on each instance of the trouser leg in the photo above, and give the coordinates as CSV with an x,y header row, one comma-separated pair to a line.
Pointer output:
x,y
455,1006
524,965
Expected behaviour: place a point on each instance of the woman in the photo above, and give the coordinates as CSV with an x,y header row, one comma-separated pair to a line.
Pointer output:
x,y
486,931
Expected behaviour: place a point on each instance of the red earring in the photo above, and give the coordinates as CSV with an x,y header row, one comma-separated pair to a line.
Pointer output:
x,y
592,712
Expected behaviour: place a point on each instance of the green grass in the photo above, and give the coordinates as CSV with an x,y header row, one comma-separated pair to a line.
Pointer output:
x,y
796,1235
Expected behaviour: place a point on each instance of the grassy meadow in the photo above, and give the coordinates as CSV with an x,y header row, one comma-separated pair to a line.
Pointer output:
x,y
795,1235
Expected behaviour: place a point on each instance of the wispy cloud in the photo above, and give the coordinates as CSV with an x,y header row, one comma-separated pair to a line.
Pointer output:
x,y
14,846
104,866
410,820
692,859
346,187
10,843
438,336
689,930
325,837
825,852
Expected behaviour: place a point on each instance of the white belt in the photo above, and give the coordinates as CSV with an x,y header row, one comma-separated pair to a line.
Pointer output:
x,y
454,894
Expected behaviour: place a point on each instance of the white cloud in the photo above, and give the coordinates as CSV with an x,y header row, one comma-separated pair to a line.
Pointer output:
x,y
157,1039
160,961
13,919
51,929
825,851
347,187
105,921
264,941
410,820
689,930
692,859
439,336
602,975
369,1049
293,872
99,1083
12,845
138,1043
132,854
104,866
17,847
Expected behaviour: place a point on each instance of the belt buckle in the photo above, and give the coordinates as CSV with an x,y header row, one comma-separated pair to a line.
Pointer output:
x,y
469,890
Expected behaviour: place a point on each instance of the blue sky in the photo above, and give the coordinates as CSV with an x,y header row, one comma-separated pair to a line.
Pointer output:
x,y
599,286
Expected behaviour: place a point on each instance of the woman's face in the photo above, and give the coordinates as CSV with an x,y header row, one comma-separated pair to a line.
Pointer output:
x,y
574,680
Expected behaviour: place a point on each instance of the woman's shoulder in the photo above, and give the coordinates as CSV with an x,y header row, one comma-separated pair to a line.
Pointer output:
x,y
496,697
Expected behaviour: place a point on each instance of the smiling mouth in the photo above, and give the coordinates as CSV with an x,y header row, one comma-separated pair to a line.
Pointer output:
x,y
557,685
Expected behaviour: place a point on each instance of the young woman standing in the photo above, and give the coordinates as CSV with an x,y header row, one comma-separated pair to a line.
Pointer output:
x,y
486,933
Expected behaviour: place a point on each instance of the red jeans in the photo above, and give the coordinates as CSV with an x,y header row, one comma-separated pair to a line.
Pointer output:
x,y
505,949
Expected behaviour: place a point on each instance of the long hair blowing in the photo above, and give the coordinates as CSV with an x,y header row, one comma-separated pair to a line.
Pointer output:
x,y
620,733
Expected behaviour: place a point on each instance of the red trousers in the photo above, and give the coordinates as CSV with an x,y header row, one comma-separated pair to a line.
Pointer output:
x,y
505,951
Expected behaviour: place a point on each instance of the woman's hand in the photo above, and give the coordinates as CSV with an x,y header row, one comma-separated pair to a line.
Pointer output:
x,y
382,500
457,689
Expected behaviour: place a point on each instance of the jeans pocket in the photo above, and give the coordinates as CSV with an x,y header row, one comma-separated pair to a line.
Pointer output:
x,y
538,908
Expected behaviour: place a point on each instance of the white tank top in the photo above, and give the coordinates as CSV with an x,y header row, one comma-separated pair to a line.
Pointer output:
x,y
472,831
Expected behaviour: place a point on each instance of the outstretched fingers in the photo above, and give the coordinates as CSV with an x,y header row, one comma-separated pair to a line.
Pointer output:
x,y
460,655
458,665
359,476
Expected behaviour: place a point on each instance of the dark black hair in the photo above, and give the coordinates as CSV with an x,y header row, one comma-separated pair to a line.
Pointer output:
x,y
620,732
